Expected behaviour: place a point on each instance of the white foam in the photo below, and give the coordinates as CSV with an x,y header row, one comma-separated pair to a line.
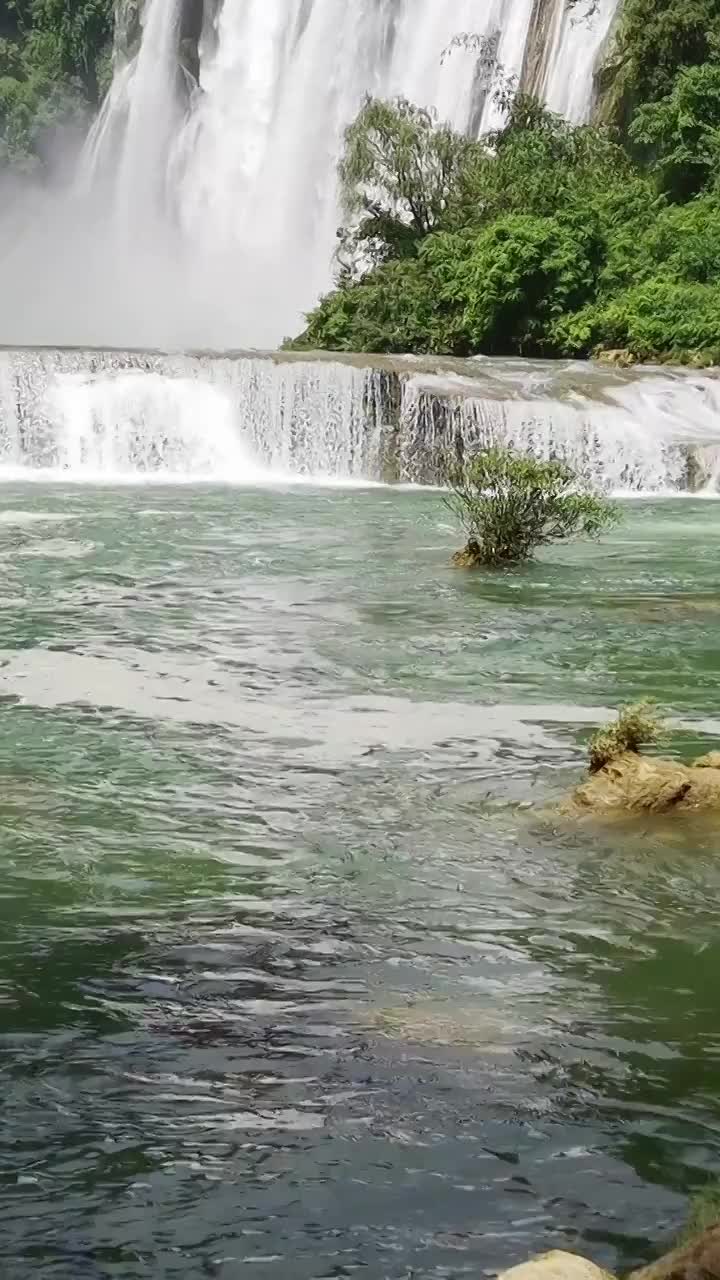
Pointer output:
x,y
135,418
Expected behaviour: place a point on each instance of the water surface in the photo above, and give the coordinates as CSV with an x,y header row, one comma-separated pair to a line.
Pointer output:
x,y
294,980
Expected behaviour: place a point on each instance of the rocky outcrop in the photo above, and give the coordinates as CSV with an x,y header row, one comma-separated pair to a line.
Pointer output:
x,y
639,784
556,1265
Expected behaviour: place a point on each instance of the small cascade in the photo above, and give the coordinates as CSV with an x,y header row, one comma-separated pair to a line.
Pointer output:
x,y
128,416
119,416
600,441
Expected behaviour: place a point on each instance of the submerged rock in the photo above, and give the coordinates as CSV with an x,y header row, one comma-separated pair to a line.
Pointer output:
x,y
470,556
429,1022
637,784
697,1260
556,1265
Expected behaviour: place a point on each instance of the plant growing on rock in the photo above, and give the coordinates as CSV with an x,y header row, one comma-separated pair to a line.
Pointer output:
x,y
510,504
638,725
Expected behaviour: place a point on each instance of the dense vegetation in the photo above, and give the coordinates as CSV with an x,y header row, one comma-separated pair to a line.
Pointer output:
x,y
510,505
544,239
54,65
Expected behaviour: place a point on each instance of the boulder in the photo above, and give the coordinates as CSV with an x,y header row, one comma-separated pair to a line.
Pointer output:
x,y
640,784
556,1265
710,761
697,1260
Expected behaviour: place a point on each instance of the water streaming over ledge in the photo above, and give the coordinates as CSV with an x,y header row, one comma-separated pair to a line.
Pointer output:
x,y
249,419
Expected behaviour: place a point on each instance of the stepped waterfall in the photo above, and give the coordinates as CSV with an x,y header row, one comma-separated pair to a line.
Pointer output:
x,y
203,219
121,416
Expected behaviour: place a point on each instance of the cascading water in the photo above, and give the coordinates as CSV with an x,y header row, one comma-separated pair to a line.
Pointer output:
x,y
137,124
114,416
206,217
235,189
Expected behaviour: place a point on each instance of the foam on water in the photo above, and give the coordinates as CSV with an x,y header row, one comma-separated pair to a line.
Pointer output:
x,y
133,417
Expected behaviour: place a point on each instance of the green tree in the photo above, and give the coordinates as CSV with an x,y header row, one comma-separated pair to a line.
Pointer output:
x,y
513,278
678,137
510,504
83,31
653,41
51,54
397,172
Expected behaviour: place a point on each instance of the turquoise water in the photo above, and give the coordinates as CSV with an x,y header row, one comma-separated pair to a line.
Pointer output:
x,y
297,977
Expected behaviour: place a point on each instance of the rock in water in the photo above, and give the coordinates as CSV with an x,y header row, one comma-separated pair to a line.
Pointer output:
x,y
639,784
698,1260
556,1265
470,556
710,761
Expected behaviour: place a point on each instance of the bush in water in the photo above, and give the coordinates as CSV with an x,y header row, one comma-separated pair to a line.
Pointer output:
x,y
638,725
510,504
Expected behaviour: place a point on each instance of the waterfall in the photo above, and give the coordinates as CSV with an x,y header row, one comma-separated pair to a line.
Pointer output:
x,y
137,123
233,188
113,416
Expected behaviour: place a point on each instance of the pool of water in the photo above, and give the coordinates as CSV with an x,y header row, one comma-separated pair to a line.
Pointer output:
x,y
297,977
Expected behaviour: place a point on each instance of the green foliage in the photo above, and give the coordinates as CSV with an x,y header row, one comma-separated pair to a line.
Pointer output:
x,y
638,725
678,137
392,309
51,55
537,163
510,504
656,319
397,173
655,39
544,239
82,31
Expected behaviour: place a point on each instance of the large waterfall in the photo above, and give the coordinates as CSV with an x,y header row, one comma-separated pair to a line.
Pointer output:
x,y
204,216
132,416
207,205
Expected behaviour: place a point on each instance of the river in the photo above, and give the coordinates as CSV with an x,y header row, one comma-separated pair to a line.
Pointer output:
x,y
297,977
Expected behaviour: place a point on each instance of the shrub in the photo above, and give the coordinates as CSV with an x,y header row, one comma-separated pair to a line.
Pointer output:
x,y
510,504
658,318
678,137
638,725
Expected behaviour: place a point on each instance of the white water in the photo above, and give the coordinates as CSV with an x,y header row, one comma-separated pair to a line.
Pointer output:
x,y
118,417
137,125
217,219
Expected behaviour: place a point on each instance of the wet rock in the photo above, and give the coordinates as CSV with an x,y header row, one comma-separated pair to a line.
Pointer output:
x,y
470,556
637,784
709,761
697,1260
619,356
556,1265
